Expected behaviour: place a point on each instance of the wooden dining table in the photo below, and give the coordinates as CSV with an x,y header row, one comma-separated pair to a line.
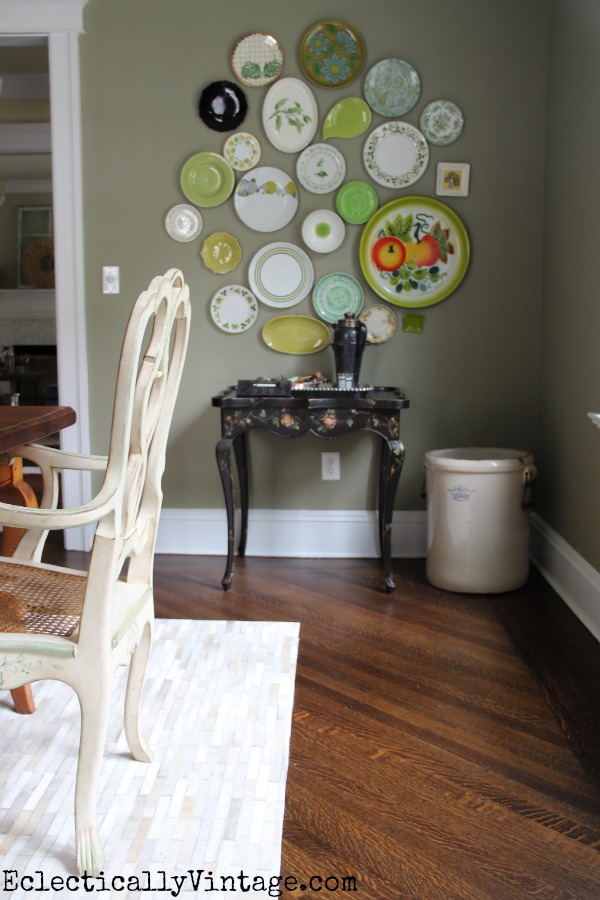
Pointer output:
x,y
24,425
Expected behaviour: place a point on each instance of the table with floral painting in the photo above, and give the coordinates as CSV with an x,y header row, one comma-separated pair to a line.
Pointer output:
x,y
326,414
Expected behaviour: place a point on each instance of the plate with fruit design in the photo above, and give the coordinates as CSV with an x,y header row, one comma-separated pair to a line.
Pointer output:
x,y
414,251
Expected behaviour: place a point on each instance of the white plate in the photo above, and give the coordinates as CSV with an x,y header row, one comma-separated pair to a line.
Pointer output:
x,y
266,199
242,151
323,231
183,222
396,154
281,274
381,323
290,115
442,122
321,168
234,309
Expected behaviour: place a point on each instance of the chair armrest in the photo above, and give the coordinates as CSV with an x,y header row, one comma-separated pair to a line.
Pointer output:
x,y
59,459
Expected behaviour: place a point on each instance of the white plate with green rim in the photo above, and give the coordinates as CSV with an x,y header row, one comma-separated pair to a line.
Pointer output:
x,y
321,168
396,154
281,274
242,151
234,309
337,294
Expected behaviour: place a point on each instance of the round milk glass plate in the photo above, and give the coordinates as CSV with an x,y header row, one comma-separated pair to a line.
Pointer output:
x,y
396,154
356,201
281,274
257,59
207,179
323,231
332,53
381,323
414,251
442,122
234,309
242,151
266,199
347,118
296,334
222,106
337,294
392,87
321,168
221,252
290,115
183,222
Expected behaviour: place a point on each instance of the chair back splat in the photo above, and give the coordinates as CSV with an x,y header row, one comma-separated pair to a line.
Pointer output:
x,y
77,627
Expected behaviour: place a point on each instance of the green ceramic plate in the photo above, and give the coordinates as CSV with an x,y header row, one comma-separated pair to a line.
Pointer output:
x,y
207,179
296,334
332,53
337,294
347,118
414,251
356,202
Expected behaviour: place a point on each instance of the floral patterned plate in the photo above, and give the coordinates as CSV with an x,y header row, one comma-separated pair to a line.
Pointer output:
x,y
332,53
392,87
290,115
257,59
234,309
381,323
396,154
242,151
321,168
442,122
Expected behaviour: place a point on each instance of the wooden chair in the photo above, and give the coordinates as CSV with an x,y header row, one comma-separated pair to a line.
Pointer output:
x,y
75,626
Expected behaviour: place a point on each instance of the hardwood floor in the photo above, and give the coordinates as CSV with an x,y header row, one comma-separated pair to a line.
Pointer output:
x,y
443,745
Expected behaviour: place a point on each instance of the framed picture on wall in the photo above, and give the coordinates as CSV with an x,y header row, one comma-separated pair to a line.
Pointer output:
x,y
452,179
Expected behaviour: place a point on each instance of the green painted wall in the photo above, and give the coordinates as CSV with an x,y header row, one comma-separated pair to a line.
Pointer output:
x,y
472,376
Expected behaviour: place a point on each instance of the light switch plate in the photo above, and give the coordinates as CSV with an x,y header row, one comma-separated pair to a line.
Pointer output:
x,y
110,279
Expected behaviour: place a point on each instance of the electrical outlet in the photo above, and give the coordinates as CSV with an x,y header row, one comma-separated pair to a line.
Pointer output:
x,y
110,279
330,466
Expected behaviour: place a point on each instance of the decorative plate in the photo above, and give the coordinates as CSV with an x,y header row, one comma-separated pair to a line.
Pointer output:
x,y
347,118
356,201
337,294
381,323
221,252
257,59
332,53
323,231
414,251
442,122
396,154
296,334
207,179
281,274
290,115
242,151
266,199
234,309
183,222
321,168
222,106
392,87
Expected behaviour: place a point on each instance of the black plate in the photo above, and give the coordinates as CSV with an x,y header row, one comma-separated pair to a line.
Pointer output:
x,y
223,106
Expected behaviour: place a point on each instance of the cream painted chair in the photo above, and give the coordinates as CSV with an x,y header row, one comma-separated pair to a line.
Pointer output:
x,y
77,627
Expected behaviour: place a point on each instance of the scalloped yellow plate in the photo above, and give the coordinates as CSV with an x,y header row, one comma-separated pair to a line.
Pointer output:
x,y
221,252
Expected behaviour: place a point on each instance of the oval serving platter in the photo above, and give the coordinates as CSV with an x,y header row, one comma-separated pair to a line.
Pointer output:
x,y
290,115
297,335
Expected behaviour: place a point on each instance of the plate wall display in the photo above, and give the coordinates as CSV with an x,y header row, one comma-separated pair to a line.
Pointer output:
x,y
183,222
392,87
266,199
347,118
257,59
332,53
222,106
337,294
321,168
396,154
323,231
414,251
356,201
207,179
234,309
221,252
290,115
281,274
297,335
242,151
442,122
381,322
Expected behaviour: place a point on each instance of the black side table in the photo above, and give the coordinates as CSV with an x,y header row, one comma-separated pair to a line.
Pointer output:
x,y
325,413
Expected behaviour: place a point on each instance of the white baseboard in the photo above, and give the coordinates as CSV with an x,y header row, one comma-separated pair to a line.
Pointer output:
x,y
351,533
